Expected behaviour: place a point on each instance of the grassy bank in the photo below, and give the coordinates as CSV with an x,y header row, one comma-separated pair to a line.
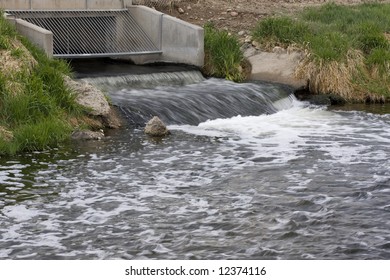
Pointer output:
x,y
36,108
223,57
348,48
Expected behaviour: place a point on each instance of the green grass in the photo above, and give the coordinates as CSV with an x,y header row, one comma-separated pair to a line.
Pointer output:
x,y
332,32
48,132
35,104
224,58
281,30
7,31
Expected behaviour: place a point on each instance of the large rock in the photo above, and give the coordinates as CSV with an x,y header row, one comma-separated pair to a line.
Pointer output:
x,y
113,119
101,114
90,97
278,66
156,128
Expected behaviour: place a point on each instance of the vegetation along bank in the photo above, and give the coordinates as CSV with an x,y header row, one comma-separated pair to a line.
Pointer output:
x,y
346,49
38,108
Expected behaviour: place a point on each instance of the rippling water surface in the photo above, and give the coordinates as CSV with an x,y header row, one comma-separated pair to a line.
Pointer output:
x,y
302,182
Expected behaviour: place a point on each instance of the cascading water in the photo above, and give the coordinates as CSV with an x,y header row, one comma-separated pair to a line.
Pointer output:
x,y
196,103
182,95
248,172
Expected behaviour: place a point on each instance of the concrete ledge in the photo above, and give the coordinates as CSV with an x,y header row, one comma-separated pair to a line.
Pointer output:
x,y
276,67
39,36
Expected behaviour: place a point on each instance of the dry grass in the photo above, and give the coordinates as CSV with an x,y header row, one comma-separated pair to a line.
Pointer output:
x,y
350,79
14,63
5,134
333,76
10,62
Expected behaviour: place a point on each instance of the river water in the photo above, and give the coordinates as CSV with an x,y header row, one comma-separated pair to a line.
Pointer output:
x,y
252,174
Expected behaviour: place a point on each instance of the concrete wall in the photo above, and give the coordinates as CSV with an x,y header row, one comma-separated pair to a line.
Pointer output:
x,y
150,21
15,4
181,42
63,4
41,37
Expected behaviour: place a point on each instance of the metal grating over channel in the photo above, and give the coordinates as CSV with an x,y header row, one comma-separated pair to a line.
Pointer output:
x,y
91,33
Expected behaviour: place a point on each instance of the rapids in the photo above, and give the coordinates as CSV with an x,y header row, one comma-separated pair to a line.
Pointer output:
x,y
249,172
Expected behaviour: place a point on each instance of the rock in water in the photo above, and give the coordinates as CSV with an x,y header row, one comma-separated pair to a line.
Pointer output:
x,y
87,135
155,127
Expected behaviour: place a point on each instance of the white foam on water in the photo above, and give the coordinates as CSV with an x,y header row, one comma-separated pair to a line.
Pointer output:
x,y
278,135
4,253
10,176
20,213
286,134
48,240
12,233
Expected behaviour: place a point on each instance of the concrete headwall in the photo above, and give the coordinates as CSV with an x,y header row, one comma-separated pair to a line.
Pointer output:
x,y
41,37
150,21
63,4
180,42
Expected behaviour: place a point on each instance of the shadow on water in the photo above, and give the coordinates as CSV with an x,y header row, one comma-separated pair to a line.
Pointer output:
x,y
369,108
103,67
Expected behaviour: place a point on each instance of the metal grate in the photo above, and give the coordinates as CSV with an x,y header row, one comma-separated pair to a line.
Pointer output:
x,y
91,33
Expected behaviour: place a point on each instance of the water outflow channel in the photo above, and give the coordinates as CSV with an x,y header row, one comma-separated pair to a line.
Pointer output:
x,y
248,172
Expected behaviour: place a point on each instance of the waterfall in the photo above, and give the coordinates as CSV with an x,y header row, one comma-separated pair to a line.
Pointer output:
x,y
179,95
197,102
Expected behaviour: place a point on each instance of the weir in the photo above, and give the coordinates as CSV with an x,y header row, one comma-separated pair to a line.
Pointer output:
x,y
207,100
111,28
187,98
179,94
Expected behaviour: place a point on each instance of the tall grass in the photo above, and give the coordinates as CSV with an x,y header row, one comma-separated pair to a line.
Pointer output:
x,y
224,58
48,132
7,31
330,34
35,105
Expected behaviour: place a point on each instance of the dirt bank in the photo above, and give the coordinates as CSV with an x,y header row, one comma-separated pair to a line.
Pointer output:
x,y
239,16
